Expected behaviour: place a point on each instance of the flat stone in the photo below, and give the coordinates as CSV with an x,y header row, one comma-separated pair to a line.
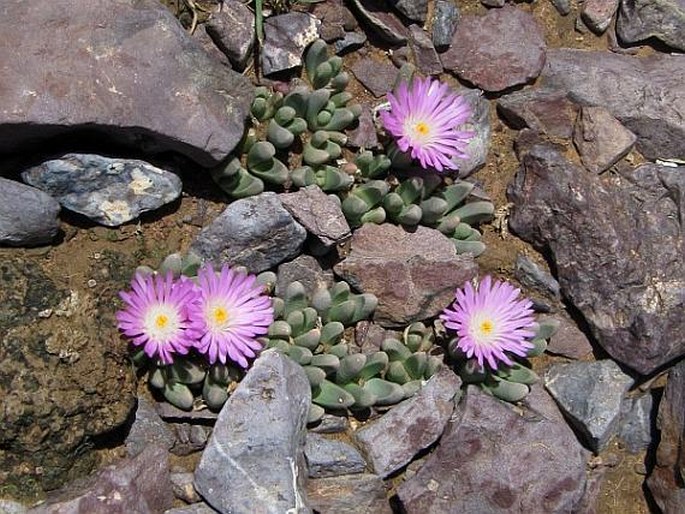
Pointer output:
x,y
445,19
502,49
479,122
233,30
597,14
493,3
646,94
590,394
319,214
108,191
637,424
377,76
562,6
364,135
601,140
547,111
100,73
569,341
425,56
394,439
666,480
28,216
413,282
384,23
532,276
351,494
664,20
190,437
140,485
148,429
350,41
257,445
195,508
331,458
285,38
415,10
616,246
256,232
494,458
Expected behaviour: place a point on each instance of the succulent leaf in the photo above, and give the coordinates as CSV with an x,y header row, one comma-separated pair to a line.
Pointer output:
x,y
332,396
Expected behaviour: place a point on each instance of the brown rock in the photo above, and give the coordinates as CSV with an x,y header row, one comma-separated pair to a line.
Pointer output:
x,y
233,30
569,341
425,56
377,76
348,494
547,111
597,14
413,274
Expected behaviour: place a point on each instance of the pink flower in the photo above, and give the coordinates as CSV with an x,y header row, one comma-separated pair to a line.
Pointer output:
x,y
490,321
234,311
157,315
424,117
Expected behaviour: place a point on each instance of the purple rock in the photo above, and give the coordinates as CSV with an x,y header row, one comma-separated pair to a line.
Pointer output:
x,y
377,76
597,14
349,494
664,20
385,24
425,56
547,111
233,30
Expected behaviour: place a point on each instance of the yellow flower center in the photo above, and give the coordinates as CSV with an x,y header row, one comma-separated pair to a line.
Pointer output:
x,y
486,327
220,315
422,128
161,321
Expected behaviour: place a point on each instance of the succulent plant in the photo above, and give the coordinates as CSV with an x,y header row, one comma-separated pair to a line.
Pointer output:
x,y
235,180
328,178
372,166
261,162
508,383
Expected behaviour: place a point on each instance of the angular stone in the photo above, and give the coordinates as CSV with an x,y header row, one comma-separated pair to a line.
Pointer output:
x,y
233,30
413,282
597,14
636,423
256,232
502,49
148,429
285,38
377,76
108,191
65,379
415,10
336,20
384,23
138,485
646,94
364,135
617,248
258,442
600,139
530,275
562,6
590,394
569,341
28,217
195,508
547,111
493,458
190,438
663,19
667,478
317,212
351,41
351,494
393,440
11,507
479,122
331,458
100,73
445,20
330,424
306,270
425,56
183,488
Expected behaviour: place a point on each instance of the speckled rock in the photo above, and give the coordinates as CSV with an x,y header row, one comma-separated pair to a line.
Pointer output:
x,y
331,458
445,20
28,216
597,14
385,23
285,38
233,30
415,10
532,276
663,19
108,191
637,427
479,122
307,271
349,494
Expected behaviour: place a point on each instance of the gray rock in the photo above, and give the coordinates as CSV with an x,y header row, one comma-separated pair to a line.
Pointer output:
x,y
502,49
140,485
569,341
350,41
562,6
195,508
617,249
233,30
445,21
368,336
170,413
415,10
258,442
331,458
285,38
647,94
377,76
351,494
479,122
493,3
256,232
547,111
67,379
667,478
191,438
28,217
148,429
364,135
413,282
384,23
186,102
11,507
493,458
597,14
320,214
394,439
425,56
600,139
336,20
183,487
663,19
635,425
331,424
108,191
306,270
531,276
590,394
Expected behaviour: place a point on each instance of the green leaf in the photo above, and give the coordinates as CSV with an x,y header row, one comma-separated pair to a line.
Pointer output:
x,y
387,393
363,398
178,395
350,366
332,396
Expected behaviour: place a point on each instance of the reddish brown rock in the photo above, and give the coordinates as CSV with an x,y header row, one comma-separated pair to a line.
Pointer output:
x,y
569,341
597,14
547,111
413,281
425,56
348,494
502,49
377,76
